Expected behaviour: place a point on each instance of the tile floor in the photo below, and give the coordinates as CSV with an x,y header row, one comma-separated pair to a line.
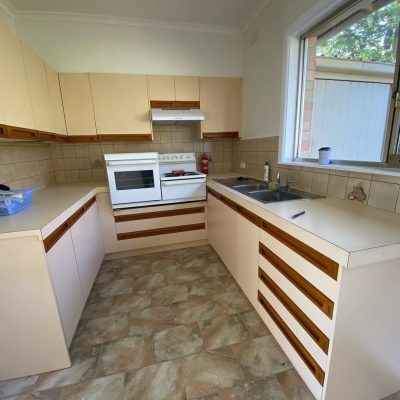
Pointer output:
x,y
168,326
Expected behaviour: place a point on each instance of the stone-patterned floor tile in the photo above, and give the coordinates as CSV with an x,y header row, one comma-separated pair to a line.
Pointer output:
x,y
212,397
113,288
193,261
148,282
261,357
124,303
133,270
125,354
214,269
162,381
103,330
232,302
395,396
195,309
106,388
164,265
261,389
124,262
52,394
293,386
169,294
254,324
210,286
97,308
84,364
184,276
105,276
223,331
153,319
205,374
17,386
177,342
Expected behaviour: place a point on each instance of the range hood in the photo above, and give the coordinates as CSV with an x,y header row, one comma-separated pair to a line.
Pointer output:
x,y
176,115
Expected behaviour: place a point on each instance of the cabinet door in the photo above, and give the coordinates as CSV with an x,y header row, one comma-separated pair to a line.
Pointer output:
x,y
220,102
247,239
78,105
14,93
56,104
38,90
89,248
66,284
161,87
121,103
187,88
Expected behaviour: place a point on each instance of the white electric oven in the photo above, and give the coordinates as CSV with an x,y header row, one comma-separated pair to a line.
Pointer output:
x,y
133,178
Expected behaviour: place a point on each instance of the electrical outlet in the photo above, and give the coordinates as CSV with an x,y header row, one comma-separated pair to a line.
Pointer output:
x,y
243,165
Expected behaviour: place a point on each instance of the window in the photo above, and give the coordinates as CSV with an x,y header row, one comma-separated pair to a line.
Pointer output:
x,y
349,85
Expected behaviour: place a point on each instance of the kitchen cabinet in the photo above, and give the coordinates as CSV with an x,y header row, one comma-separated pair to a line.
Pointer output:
x,y
174,88
66,283
78,107
88,246
56,105
14,93
220,100
121,106
187,88
161,87
38,90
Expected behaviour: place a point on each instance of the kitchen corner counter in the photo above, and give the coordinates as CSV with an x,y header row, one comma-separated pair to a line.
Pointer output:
x,y
48,205
363,235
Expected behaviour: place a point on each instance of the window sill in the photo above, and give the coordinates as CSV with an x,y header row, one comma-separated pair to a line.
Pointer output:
x,y
343,167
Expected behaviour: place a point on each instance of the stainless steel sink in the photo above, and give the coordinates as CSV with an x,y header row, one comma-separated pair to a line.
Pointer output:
x,y
267,196
250,188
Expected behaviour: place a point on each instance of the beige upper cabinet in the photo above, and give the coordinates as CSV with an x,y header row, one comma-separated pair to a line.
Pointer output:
x,y
57,109
78,106
161,87
38,90
121,104
14,93
187,88
220,100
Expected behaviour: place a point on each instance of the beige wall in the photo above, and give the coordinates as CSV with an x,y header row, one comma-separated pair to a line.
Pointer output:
x,y
25,165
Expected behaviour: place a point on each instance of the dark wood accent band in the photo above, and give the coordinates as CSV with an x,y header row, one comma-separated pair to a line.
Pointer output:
x,y
46,136
159,214
3,131
312,365
139,137
61,139
160,231
55,236
317,335
82,139
14,132
322,262
221,135
325,304
174,105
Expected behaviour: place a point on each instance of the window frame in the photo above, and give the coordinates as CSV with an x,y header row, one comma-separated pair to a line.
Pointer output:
x,y
392,131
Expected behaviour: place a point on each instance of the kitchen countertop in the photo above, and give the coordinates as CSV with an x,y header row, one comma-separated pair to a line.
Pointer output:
x,y
365,233
48,204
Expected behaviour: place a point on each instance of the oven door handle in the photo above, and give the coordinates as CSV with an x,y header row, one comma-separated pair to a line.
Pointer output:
x,y
183,182
135,162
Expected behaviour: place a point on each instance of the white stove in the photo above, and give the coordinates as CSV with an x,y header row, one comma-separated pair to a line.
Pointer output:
x,y
179,179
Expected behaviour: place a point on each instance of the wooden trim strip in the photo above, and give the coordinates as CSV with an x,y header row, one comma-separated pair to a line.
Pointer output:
x,y
129,137
3,131
187,104
82,139
61,138
55,236
46,136
312,365
14,132
316,334
160,231
214,193
221,135
159,214
79,213
325,304
175,105
322,262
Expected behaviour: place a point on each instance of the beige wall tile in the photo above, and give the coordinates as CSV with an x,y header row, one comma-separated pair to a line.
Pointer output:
x,y
386,178
320,183
337,186
383,195
305,180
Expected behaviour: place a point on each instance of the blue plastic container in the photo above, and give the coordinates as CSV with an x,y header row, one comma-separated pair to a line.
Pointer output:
x,y
16,206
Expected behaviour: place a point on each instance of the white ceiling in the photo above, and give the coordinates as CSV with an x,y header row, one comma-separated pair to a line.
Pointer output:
x,y
231,14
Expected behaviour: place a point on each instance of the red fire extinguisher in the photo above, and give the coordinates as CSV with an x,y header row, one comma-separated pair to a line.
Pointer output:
x,y
204,164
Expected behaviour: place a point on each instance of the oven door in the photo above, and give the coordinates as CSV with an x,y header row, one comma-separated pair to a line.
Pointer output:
x,y
184,189
133,181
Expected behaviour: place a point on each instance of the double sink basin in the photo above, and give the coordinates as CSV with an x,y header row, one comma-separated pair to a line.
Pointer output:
x,y
258,190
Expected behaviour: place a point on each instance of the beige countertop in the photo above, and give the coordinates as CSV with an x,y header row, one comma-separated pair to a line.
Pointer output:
x,y
348,225
48,204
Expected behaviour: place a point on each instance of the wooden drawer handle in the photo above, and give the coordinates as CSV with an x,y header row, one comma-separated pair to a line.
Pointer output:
x,y
55,236
312,365
322,262
318,336
325,304
255,219
159,214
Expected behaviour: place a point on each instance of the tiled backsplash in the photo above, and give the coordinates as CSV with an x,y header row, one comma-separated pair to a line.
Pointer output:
x,y
85,162
382,191
25,165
